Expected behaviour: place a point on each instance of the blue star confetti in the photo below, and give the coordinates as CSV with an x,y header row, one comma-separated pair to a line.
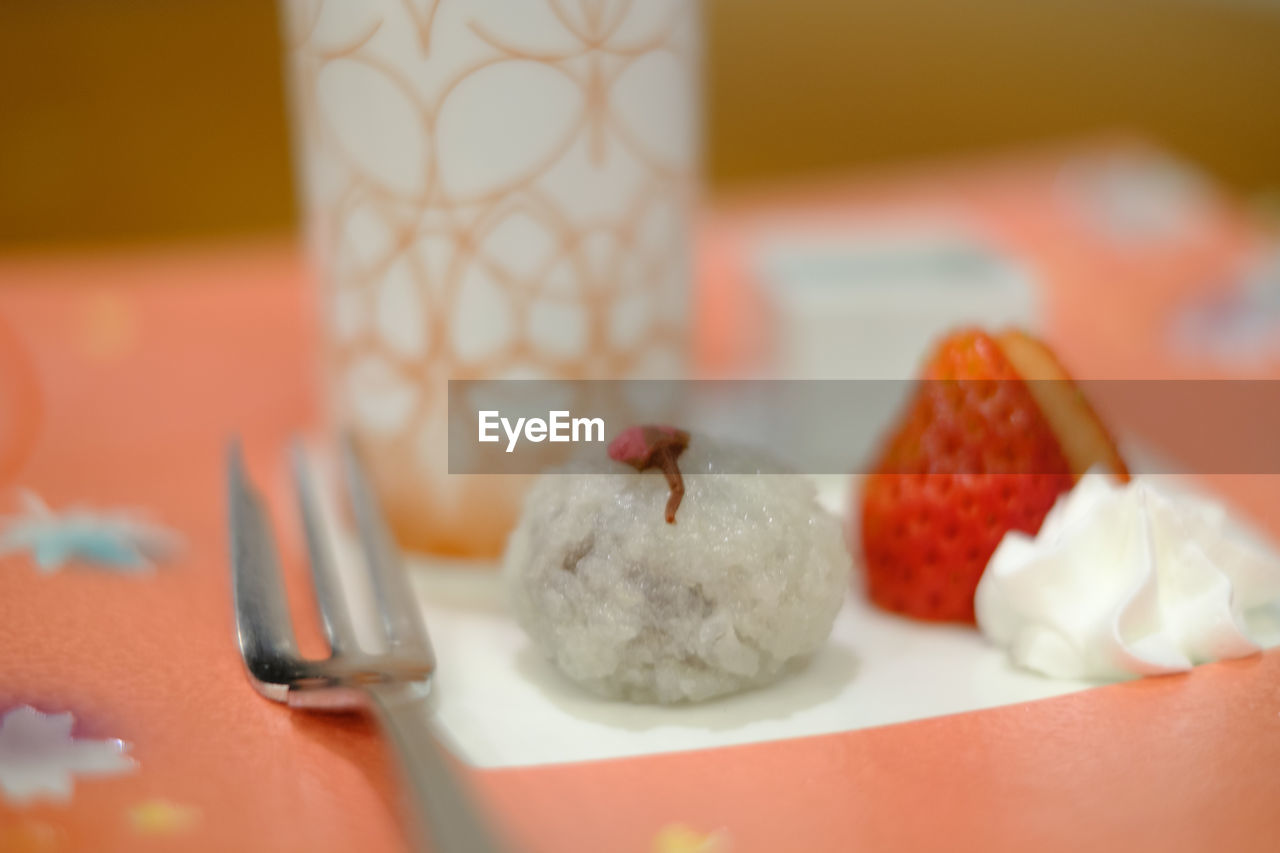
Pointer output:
x,y
118,540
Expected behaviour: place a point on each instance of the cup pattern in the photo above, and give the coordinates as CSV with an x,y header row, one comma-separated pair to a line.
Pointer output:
x,y
492,190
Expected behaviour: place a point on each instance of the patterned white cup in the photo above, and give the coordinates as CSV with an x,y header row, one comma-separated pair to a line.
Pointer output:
x,y
491,189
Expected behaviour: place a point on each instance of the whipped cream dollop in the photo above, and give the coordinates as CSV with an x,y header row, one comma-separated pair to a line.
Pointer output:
x,y
1128,580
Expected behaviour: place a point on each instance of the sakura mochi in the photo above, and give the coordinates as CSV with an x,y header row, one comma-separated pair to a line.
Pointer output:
x,y
677,568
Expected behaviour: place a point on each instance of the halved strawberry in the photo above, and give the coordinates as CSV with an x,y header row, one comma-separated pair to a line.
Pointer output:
x,y
1085,441
974,457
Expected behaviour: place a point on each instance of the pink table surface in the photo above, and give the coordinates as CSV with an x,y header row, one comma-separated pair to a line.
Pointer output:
x,y
144,363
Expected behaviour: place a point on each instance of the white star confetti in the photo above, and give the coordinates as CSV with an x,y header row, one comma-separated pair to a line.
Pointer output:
x,y
40,757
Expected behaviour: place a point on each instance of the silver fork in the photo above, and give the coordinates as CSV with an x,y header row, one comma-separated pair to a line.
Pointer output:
x,y
392,684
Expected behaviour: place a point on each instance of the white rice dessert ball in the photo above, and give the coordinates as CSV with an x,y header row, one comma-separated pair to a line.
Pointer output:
x,y
748,579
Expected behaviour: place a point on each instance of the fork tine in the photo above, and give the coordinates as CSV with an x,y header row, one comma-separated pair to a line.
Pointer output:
x,y
263,627
399,609
324,574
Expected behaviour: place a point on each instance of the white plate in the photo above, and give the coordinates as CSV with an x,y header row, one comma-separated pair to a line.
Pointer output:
x,y
500,704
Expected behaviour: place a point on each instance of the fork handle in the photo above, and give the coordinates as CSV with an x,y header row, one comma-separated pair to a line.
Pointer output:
x,y
446,816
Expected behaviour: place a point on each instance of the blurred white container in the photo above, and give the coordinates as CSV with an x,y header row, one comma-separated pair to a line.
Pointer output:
x,y
871,304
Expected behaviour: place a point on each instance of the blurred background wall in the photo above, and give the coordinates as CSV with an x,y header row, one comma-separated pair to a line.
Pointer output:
x,y
155,119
